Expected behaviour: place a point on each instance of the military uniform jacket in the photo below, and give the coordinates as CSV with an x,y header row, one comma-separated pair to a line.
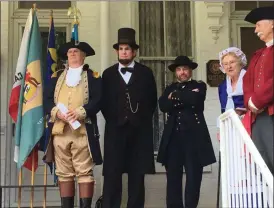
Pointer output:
x,y
92,97
116,111
185,115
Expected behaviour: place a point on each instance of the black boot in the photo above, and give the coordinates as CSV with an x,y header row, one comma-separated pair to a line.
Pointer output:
x,y
67,202
85,202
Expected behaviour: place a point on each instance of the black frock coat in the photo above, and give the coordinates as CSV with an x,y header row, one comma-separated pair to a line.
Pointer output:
x,y
188,106
142,88
91,108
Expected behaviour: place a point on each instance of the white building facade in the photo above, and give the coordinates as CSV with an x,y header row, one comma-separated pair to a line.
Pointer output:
x,y
164,30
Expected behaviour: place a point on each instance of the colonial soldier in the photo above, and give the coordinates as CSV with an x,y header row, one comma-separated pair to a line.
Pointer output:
x,y
186,141
129,99
74,151
258,84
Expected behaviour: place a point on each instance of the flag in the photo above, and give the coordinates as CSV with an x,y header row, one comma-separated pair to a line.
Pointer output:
x,y
51,68
51,53
30,120
20,70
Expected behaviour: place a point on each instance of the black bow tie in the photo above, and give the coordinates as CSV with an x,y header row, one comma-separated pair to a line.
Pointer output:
x,y
126,69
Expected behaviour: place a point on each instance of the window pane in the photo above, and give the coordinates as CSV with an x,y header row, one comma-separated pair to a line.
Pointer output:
x,y
250,42
45,4
266,3
245,5
178,28
151,35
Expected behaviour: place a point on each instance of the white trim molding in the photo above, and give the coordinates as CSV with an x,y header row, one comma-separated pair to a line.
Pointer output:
x,y
215,11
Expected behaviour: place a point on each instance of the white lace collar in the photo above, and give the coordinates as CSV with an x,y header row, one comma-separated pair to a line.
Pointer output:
x,y
73,76
269,43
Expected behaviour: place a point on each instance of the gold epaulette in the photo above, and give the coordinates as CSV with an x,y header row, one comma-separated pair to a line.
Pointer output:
x,y
95,74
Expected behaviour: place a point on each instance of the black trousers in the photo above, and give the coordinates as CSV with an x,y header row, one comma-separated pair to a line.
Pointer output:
x,y
262,136
112,189
181,155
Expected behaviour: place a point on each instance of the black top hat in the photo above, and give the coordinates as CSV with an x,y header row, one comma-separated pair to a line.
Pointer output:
x,y
126,36
83,46
182,61
261,13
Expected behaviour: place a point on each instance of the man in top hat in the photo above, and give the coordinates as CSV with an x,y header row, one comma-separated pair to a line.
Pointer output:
x,y
258,84
74,150
185,142
129,99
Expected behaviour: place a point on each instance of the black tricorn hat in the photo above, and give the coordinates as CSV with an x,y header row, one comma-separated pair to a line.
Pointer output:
x,y
261,13
126,36
182,61
83,46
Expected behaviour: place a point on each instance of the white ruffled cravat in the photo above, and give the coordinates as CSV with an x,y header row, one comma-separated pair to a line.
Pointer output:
x,y
73,76
238,90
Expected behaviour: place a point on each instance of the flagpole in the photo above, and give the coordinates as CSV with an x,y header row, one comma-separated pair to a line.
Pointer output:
x,y
32,179
45,188
19,189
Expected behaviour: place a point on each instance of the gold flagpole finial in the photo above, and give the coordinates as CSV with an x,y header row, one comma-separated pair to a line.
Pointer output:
x,y
34,6
76,14
51,12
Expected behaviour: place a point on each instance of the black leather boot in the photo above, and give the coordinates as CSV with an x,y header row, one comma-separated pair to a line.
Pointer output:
x,y
85,202
67,202
86,193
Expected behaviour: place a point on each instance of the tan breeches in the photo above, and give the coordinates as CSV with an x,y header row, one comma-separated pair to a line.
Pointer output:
x,y
72,157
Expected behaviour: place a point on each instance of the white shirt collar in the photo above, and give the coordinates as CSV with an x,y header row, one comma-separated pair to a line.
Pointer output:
x,y
130,65
269,43
73,76
80,68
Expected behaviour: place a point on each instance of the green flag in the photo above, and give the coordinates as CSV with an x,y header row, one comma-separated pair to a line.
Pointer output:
x,y
30,122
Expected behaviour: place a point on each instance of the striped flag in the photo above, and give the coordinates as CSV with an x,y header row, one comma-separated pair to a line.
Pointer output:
x,y
30,120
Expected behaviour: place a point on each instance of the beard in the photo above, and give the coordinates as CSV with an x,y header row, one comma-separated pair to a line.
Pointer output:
x,y
125,61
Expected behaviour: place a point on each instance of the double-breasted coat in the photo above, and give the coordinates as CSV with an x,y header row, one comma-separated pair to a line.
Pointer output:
x,y
142,90
93,88
185,114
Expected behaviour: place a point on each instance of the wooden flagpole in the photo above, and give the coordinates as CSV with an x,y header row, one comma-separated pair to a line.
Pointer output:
x,y
45,188
19,189
32,179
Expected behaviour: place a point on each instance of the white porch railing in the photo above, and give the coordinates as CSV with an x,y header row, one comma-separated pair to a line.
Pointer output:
x,y
246,180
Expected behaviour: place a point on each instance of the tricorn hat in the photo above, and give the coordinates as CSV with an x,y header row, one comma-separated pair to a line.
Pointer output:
x,y
83,46
261,13
182,61
126,36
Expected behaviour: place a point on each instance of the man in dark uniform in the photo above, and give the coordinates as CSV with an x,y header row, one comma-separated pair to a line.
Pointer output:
x,y
186,141
74,150
258,84
128,103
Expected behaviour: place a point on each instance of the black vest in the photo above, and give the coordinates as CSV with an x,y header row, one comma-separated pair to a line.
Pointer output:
x,y
128,106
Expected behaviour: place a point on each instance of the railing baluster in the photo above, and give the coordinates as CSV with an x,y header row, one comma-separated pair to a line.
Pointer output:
x,y
247,180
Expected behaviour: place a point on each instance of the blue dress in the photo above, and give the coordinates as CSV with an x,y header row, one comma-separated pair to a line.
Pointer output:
x,y
238,100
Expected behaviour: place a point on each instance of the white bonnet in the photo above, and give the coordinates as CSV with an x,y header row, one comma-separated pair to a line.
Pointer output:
x,y
237,52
